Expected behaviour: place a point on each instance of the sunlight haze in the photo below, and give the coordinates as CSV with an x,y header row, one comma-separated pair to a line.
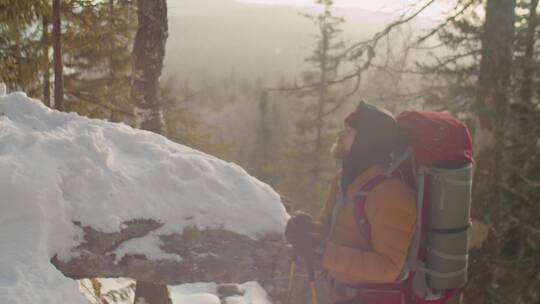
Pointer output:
x,y
435,11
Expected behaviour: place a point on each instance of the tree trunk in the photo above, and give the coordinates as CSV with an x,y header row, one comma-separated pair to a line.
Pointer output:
x,y
322,98
112,75
149,293
57,58
261,156
528,62
46,68
491,108
148,53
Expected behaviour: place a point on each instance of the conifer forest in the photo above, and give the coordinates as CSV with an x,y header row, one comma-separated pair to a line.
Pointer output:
x,y
247,97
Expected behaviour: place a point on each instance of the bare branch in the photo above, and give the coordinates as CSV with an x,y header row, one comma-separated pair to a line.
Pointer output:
x,y
448,20
373,41
525,226
345,97
441,63
398,71
87,98
428,48
404,97
354,52
530,183
516,193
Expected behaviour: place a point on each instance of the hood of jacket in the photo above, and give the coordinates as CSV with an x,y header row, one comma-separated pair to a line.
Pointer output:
x,y
377,137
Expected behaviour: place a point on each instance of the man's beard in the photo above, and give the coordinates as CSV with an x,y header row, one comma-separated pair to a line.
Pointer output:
x,y
338,151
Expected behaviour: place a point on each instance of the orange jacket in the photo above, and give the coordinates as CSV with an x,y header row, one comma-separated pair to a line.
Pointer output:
x,y
391,211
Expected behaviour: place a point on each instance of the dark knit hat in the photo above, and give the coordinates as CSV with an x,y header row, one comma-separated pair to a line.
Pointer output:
x,y
377,137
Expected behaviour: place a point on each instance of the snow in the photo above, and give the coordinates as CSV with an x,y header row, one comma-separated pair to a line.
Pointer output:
x,y
206,293
196,293
56,168
148,245
255,294
108,285
142,115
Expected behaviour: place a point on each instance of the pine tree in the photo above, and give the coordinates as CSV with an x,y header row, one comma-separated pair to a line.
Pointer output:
x,y
491,107
518,234
45,40
98,38
506,187
450,76
182,124
263,153
307,166
21,44
58,64
529,39
148,54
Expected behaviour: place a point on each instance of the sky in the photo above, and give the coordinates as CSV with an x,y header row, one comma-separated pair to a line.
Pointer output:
x,y
434,11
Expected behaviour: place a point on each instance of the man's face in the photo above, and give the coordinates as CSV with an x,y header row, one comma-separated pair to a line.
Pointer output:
x,y
344,141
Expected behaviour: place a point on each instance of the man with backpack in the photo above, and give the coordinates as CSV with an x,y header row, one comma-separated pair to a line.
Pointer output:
x,y
370,224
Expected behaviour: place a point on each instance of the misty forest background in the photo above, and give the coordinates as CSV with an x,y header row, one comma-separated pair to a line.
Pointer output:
x,y
267,87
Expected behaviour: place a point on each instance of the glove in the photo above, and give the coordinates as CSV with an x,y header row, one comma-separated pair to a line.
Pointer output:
x,y
299,233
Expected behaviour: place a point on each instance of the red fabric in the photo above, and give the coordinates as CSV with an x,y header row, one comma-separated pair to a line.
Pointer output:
x,y
448,294
351,119
381,297
391,293
437,137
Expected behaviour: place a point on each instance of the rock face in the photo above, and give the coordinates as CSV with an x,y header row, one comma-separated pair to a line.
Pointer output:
x,y
210,255
148,293
218,256
230,290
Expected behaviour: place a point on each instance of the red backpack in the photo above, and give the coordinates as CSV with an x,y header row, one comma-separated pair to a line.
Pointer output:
x,y
440,150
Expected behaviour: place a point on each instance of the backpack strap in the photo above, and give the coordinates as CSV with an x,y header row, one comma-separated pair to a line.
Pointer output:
x,y
378,289
360,197
397,161
360,206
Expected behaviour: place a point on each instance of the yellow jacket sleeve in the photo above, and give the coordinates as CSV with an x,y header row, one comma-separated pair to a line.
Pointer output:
x,y
391,212
322,223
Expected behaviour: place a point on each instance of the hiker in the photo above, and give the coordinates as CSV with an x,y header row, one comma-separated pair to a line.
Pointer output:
x,y
396,225
359,253
356,253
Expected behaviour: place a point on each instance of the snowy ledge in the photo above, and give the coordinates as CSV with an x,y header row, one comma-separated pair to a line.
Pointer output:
x,y
194,256
79,191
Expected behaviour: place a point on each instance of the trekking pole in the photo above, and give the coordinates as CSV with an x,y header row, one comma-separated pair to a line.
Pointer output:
x,y
311,275
292,271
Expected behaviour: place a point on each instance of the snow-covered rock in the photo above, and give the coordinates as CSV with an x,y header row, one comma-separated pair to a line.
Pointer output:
x,y
62,174
196,293
208,293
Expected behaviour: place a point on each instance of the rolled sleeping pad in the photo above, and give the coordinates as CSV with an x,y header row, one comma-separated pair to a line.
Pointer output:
x,y
448,226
